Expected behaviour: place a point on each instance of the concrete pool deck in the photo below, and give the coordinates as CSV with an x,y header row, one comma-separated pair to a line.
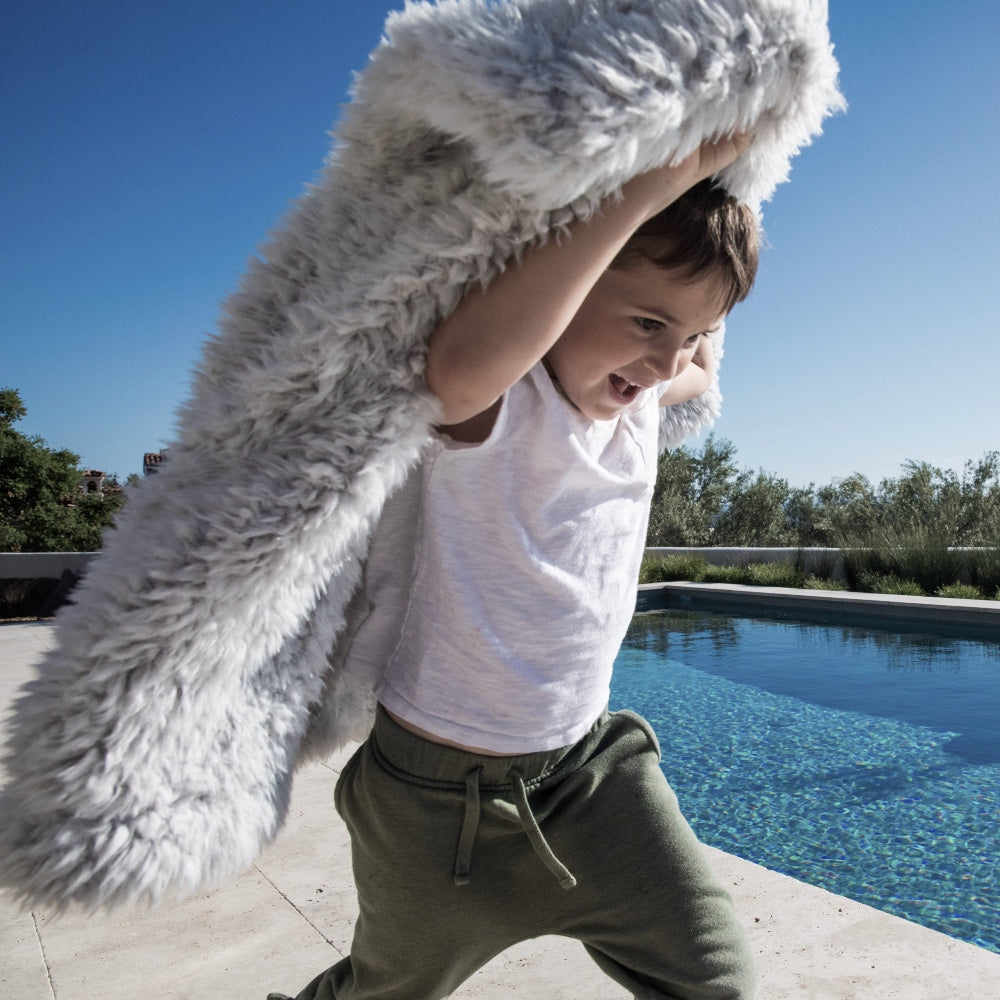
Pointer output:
x,y
291,915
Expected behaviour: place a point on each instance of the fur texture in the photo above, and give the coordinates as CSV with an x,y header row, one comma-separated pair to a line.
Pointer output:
x,y
155,749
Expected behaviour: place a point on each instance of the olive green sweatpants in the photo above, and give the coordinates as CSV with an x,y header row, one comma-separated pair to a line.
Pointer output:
x,y
458,856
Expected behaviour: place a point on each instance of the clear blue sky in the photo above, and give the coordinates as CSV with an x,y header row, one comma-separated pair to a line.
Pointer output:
x,y
147,148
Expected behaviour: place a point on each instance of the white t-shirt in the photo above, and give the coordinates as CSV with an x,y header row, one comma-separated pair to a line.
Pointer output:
x,y
503,574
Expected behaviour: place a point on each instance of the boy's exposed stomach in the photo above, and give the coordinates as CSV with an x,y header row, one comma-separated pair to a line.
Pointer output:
x,y
440,740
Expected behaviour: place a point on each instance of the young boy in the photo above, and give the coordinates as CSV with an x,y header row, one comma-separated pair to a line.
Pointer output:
x,y
497,799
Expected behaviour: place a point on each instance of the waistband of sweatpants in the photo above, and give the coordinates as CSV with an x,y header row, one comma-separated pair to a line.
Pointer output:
x,y
423,761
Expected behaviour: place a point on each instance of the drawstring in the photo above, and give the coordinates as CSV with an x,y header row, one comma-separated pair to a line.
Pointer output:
x,y
538,842
470,823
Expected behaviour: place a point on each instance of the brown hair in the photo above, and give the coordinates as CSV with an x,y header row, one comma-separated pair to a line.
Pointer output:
x,y
703,231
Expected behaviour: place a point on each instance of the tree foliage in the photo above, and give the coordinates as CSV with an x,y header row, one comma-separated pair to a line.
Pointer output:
x,y
42,508
692,490
704,498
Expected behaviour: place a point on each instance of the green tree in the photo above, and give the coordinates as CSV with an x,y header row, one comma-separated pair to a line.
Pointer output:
x,y
704,498
845,509
692,489
962,510
41,506
12,408
802,510
759,513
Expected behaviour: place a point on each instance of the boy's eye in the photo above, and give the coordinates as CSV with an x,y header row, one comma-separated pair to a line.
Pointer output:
x,y
648,324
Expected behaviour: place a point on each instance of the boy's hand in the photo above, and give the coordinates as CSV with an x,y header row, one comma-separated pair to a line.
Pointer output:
x,y
711,157
696,378
662,185
704,357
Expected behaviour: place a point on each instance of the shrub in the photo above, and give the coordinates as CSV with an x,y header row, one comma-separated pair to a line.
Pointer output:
x,y
823,568
888,583
661,569
914,553
647,570
960,592
25,598
814,582
773,575
931,566
725,574
696,569
983,566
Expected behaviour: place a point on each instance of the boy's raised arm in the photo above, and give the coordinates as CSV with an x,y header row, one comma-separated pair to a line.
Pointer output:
x,y
493,337
695,379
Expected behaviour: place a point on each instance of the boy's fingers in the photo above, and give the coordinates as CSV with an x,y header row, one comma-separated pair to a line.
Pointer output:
x,y
720,152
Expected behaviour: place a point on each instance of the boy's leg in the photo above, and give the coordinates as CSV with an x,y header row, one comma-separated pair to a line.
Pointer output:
x,y
415,937
650,910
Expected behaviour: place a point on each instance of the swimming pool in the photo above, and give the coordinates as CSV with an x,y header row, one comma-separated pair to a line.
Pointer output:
x,y
864,761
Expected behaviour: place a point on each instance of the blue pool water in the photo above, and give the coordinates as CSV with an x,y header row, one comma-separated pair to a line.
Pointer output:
x,y
864,761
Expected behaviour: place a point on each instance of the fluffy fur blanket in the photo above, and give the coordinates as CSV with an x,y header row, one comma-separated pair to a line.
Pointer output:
x,y
155,749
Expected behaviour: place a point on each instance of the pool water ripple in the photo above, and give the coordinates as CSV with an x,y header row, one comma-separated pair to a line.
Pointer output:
x,y
867,805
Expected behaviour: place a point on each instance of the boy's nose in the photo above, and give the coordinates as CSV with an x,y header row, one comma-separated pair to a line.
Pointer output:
x,y
666,366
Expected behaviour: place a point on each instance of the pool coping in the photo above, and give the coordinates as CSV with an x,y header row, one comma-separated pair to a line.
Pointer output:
x,y
833,604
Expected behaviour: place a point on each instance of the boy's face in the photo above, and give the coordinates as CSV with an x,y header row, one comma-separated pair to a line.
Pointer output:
x,y
639,326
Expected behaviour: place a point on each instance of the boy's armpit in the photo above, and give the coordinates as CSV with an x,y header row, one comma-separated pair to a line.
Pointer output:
x,y
476,429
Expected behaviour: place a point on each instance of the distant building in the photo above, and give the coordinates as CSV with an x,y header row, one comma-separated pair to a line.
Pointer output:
x,y
152,461
91,481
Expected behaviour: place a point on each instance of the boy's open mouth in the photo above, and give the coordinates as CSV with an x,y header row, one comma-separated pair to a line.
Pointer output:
x,y
629,390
